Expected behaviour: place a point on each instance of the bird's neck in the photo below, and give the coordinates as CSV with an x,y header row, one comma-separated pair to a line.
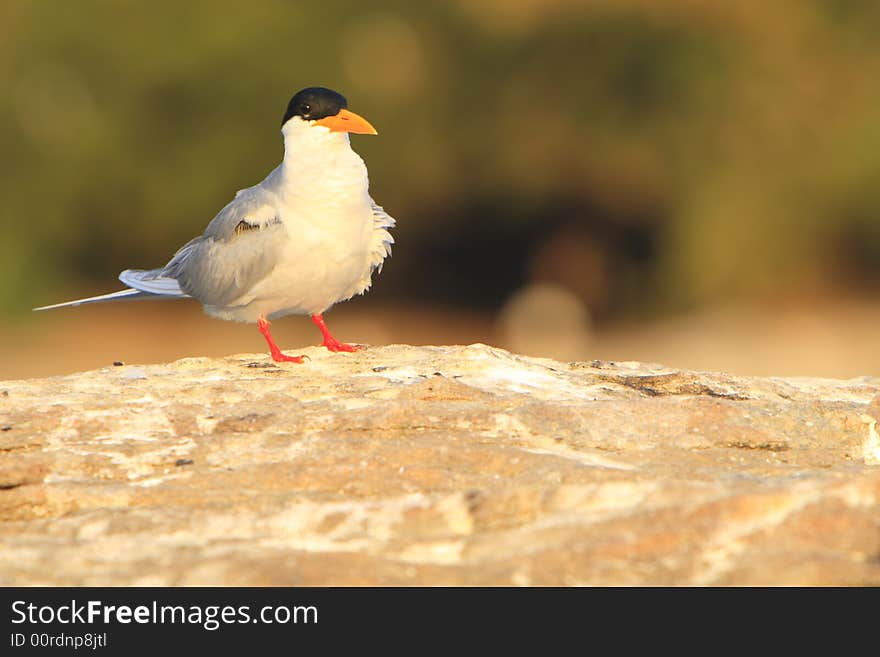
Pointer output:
x,y
320,163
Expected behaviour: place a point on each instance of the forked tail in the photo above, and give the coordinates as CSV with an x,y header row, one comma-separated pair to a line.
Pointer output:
x,y
145,284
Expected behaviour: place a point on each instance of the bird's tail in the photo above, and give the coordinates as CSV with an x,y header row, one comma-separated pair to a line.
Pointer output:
x,y
122,295
145,284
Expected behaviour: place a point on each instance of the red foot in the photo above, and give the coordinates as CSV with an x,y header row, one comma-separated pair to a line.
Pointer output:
x,y
329,341
277,356
334,345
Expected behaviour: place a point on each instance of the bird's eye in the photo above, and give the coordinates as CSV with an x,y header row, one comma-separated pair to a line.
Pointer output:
x,y
305,108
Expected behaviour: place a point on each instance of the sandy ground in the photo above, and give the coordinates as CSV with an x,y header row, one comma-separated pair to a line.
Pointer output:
x,y
832,338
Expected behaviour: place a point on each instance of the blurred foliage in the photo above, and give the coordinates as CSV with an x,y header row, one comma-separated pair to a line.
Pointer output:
x,y
644,155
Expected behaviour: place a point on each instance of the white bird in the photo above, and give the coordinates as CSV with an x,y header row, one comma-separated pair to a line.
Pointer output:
x,y
305,238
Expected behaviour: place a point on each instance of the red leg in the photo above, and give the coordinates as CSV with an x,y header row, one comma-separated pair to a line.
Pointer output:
x,y
329,341
277,356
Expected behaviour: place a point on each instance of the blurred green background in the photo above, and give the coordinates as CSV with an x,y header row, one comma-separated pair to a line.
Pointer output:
x,y
559,169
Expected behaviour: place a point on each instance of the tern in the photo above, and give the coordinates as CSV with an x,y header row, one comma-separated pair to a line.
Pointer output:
x,y
305,238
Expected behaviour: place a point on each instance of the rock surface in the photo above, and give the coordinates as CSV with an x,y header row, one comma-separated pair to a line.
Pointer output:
x,y
436,465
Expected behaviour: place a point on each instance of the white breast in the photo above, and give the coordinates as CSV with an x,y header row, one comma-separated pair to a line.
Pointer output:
x,y
322,199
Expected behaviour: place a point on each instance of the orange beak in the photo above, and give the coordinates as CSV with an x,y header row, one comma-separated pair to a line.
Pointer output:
x,y
347,121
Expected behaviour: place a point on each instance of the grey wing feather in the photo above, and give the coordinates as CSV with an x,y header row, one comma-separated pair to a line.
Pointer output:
x,y
238,249
252,205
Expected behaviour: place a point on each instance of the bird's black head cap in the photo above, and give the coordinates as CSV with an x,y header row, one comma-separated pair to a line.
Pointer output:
x,y
314,103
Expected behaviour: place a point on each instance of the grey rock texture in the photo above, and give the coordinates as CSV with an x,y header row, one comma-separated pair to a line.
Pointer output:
x,y
436,465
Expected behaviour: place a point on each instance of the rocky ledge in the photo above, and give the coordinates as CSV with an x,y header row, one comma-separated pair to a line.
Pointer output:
x,y
436,465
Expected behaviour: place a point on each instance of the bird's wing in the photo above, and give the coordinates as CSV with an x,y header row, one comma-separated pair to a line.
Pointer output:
x,y
382,239
237,250
255,206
